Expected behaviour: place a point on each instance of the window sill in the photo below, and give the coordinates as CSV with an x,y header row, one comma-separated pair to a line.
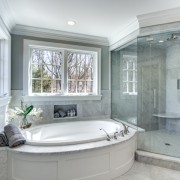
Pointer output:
x,y
4,101
62,98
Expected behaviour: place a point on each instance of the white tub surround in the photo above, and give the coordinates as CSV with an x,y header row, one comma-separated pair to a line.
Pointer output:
x,y
99,160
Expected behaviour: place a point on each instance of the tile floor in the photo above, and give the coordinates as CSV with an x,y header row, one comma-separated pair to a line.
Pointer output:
x,y
141,171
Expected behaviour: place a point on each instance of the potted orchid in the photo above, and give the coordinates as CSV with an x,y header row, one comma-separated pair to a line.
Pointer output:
x,y
24,111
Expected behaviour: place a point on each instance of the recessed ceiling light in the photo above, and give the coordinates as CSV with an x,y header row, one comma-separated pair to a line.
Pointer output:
x,y
161,41
71,22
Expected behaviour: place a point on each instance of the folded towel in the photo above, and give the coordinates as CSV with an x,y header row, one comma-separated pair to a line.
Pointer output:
x,y
14,135
3,140
62,113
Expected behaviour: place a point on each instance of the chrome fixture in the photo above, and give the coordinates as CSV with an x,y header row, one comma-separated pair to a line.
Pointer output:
x,y
126,128
122,133
108,136
115,135
173,37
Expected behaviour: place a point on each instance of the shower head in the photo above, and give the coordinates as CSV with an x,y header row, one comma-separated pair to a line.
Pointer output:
x,y
173,37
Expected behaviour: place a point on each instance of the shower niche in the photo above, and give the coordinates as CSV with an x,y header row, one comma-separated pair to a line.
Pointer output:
x,y
65,111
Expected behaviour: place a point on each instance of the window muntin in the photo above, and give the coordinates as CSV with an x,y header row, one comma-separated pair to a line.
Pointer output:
x,y
129,74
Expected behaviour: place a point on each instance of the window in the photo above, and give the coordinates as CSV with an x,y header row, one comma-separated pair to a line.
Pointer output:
x,y
129,74
80,72
59,69
5,48
46,71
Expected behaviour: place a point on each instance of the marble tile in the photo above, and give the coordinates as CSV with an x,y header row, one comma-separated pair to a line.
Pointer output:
x,y
86,110
141,171
3,164
158,160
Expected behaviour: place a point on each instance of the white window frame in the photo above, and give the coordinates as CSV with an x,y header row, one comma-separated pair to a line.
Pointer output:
x,y
29,44
5,64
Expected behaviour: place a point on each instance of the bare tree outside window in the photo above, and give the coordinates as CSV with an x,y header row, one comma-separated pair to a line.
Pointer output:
x,y
46,71
80,72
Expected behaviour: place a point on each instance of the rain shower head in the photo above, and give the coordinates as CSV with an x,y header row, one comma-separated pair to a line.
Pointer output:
x,y
173,37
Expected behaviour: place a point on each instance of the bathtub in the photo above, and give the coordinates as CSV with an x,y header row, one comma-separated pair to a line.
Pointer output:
x,y
73,151
68,133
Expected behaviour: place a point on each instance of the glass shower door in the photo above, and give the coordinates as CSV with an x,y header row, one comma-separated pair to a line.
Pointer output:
x,y
157,87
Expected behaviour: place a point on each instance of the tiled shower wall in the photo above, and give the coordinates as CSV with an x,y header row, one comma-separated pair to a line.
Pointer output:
x,y
172,75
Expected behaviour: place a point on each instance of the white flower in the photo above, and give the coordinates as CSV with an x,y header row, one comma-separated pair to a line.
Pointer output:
x,y
36,112
12,113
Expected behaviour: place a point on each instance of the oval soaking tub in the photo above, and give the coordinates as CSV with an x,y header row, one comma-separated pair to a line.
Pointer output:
x,y
73,151
67,133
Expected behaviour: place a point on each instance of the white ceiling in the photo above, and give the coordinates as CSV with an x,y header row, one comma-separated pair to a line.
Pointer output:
x,y
94,17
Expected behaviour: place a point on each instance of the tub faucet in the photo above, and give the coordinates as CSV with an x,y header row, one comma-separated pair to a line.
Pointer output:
x,y
108,136
122,133
126,128
115,135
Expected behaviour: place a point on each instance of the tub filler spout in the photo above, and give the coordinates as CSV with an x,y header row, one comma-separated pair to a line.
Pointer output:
x,y
108,136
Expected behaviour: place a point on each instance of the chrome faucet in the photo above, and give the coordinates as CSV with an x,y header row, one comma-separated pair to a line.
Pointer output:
x,y
108,136
126,128
115,135
122,133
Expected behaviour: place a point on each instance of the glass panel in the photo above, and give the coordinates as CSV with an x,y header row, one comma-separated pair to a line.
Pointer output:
x,y
36,71
81,86
46,56
36,57
57,58
36,86
130,64
80,67
71,87
56,71
123,98
56,86
46,86
130,78
158,72
130,86
89,87
47,71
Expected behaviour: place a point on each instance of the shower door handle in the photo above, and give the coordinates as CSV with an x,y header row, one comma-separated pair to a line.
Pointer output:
x,y
154,98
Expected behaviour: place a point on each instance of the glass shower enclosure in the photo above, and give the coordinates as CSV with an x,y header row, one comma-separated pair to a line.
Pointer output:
x,y
146,90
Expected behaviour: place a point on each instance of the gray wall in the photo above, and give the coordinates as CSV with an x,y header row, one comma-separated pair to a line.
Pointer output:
x,y
86,110
17,60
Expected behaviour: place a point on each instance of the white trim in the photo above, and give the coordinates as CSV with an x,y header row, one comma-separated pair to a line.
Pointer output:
x,y
50,45
159,17
5,59
61,98
4,101
59,35
124,35
7,15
